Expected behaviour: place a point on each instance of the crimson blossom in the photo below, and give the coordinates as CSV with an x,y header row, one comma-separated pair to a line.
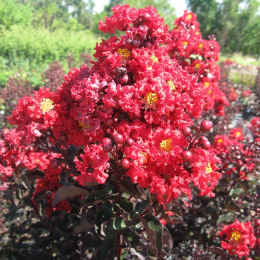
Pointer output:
x,y
238,237
149,86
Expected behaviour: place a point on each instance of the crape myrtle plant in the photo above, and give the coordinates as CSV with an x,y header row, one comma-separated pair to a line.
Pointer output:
x,y
243,95
122,161
19,85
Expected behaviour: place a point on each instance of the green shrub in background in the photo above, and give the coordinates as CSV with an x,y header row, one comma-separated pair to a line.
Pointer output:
x,y
34,33
12,12
38,45
30,50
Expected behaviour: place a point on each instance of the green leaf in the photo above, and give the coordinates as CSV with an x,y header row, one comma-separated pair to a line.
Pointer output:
x,y
105,247
24,180
96,195
65,192
167,238
138,210
231,206
119,223
147,195
127,186
226,218
83,226
154,231
91,214
125,204
123,254
103,214
131,237
125,195
220,252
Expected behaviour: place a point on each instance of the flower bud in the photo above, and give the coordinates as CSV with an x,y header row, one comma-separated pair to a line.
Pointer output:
x,y
206,125
186,130
125,163
117,138
186,156
124,79
130,141
107,144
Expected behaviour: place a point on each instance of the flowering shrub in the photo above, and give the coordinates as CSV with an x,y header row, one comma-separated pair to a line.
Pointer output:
x,y
53,76
16,87
119,154
238,236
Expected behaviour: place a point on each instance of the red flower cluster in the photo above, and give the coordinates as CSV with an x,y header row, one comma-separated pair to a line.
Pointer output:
x,y
238,237
254,126
141,95
199,57
236,157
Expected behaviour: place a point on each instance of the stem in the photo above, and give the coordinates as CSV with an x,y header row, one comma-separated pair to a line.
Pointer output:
x,y
118,234
118,247
192,142
64,154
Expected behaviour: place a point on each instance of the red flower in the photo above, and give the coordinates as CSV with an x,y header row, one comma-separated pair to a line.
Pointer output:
x,y
204,171
238,237
34,114
236,134
92,165
254,126
146,84
246,93
232,95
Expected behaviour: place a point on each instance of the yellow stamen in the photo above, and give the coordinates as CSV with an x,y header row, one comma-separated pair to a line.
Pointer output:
x,y
220,141
197,33
208,169
238,134
185,43
154,59
201,45
171,85
166,145
81,124
206,84
151,98
189,16
46,105
144,157
197,66
125,53
235,236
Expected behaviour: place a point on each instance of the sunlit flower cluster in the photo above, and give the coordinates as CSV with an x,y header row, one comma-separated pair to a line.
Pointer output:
x,y
238,238
131,111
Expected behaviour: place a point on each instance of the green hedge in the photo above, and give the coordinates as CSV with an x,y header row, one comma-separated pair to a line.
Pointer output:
x,y
42,45
29,50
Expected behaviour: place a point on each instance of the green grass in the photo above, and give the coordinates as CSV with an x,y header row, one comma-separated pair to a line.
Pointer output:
x,y
245,76
240,59
242,78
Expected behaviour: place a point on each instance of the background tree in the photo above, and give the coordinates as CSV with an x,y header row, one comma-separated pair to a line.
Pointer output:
x,y
208,14
82,11
235,23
